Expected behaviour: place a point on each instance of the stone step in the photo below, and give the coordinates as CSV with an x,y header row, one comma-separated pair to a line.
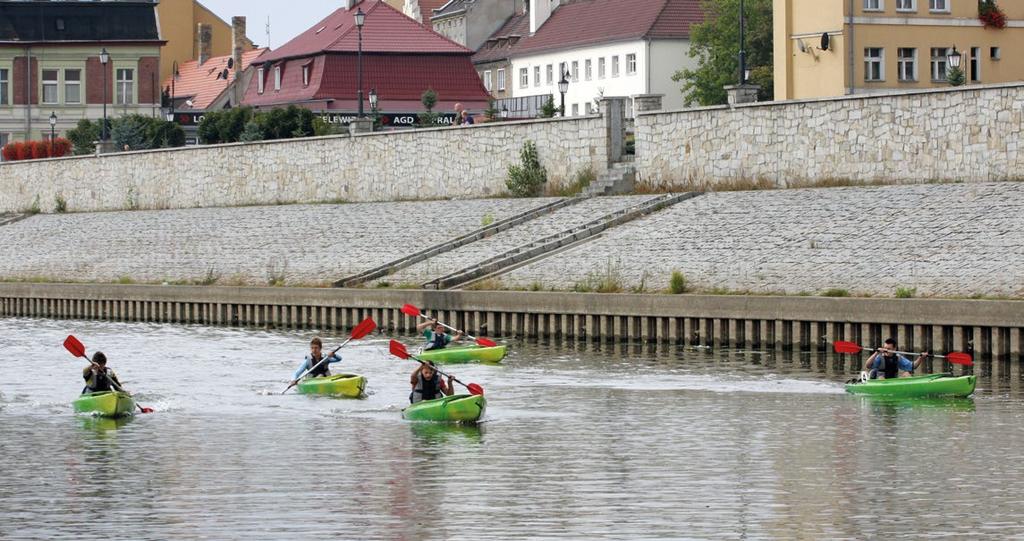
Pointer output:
x,y
546,246
618,180
483,232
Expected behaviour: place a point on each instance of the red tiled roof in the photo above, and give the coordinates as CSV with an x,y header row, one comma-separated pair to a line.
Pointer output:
x,y
201,82
385,30
427,8
499,45
588,22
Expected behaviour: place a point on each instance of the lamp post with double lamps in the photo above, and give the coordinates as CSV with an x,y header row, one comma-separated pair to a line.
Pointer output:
x,y
104,59
563,87
360,18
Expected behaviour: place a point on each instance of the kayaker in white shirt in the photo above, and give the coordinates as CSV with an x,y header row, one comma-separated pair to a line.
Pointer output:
x,y
437,338
315,356
887,364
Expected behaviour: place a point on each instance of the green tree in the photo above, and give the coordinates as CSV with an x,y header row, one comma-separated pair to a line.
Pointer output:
x,y
955,76
716,45
549,109
83,135
429,99
131,131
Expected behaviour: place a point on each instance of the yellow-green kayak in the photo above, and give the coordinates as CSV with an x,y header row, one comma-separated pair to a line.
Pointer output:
x,y
459,408
350,385
465,354
105,404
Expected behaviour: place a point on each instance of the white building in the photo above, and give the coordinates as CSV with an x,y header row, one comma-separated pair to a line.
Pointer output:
x,y
607,48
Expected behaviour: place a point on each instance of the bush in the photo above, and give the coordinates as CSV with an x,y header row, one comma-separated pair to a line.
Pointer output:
x,y
549,109
131,131
83,135
677,284
906,292
428,99
835,292
527,179
36,150
10,152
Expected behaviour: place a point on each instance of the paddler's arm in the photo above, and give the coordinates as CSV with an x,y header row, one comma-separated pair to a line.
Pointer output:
x,y
424,325
414,380
920,359
448,388
302,368
871,361
457,337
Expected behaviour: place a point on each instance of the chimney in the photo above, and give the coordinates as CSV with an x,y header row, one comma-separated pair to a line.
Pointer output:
x,y
349,4
204,42
237,41
540,10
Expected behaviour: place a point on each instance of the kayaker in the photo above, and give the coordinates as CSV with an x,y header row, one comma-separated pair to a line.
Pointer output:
x,y
888,364
316,347
436,337
427,384
98,377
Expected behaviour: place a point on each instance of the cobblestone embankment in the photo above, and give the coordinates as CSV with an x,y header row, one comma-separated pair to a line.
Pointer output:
x,y
301,244
944,240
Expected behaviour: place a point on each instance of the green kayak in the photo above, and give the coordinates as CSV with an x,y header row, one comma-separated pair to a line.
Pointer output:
x,y
105,404
915,387
464,408
465,354
350,385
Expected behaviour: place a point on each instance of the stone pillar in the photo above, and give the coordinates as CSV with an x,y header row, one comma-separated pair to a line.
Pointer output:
x,y
613,110
104,147
360,125
643,103
739,94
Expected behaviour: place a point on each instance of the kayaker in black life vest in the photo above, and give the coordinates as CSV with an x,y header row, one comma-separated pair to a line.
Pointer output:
x,y
315,356
98,377
436,337
887,364
427,384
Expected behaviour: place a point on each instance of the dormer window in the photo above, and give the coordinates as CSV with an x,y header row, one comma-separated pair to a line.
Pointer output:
x,y
305,75
260,74
277,78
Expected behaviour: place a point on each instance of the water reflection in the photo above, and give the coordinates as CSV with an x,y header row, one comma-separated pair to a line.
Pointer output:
x,y
429,434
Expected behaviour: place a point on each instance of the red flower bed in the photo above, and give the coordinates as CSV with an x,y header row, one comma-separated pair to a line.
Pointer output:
x,y
35,150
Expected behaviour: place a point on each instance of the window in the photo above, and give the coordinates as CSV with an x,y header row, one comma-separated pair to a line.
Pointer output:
x,y
600,68
615,66
550,74
501,80
72,86
588,71
124,92
260,78
976,64
563,70
873,63
906,5
938,63
524,78
586,108
630,64
873,5
305,76
575,109
575,71
277,78
906,64
995,53
938,5
5,84
49,86
536,76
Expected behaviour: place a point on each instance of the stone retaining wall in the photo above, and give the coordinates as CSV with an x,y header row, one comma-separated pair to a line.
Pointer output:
x,y
469,162
964,134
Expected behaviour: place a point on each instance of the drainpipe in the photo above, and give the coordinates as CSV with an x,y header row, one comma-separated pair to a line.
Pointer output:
x,y
28,93
853,81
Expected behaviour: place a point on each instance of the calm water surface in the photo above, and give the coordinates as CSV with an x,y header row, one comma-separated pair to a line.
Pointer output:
x,y
579,442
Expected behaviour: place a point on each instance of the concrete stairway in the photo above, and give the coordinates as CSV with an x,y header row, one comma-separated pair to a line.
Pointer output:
x,y
554,243
483,232
619,179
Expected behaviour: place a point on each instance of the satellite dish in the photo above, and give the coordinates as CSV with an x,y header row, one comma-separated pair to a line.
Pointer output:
x,y
225,74
800,44
825,41
231,63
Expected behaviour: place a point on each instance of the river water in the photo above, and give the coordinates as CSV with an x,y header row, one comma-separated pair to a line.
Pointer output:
x,y
580,442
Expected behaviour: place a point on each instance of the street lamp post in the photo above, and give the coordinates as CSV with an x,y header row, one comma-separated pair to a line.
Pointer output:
x,y
53,126
504,112
373,100
104,58
174,77
563,87
360,19
743,52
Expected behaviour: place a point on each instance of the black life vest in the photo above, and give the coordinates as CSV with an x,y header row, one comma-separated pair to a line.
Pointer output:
x,y
426,389
319,371
890,366
439,342
97,383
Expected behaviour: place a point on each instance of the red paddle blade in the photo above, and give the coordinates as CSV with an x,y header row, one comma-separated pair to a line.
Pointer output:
x,y
398,349
846,347
146,410
411,310
487,343
960,358
475,389
74,347
364,328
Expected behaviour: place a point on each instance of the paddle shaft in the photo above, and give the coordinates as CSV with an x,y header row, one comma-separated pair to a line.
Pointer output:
x,y
907,353
467,335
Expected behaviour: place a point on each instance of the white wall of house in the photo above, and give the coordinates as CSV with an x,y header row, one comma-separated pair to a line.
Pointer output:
x,y
583,91
667,57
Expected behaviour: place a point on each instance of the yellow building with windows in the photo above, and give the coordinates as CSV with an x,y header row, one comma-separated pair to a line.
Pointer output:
x,y
179,25
839,47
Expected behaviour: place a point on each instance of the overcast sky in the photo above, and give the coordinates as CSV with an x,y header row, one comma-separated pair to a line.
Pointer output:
x,y
287,17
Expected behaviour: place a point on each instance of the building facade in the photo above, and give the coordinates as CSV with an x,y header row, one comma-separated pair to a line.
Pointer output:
x,y
50,64
471,22
185,24
604,48
825,49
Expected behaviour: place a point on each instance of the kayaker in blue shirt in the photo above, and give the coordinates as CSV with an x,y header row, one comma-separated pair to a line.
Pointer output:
x,y
437,338
427,384
888,364
311,360
98,377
